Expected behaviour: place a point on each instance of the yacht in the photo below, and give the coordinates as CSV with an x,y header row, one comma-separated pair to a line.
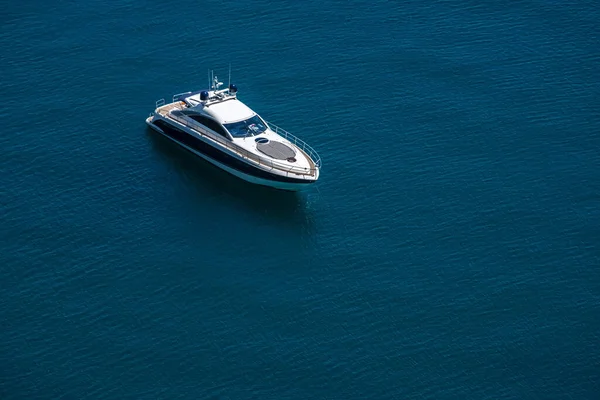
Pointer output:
x,y
215,125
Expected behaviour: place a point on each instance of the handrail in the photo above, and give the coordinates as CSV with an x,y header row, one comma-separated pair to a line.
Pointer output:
x,y
248,155
298,142
178,95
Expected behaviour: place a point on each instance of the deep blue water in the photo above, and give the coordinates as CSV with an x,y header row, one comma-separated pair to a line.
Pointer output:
x,y
449,251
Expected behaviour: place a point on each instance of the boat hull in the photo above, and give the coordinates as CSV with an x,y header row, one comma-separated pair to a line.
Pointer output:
x,y
266,179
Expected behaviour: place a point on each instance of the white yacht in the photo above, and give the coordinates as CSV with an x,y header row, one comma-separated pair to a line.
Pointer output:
x,y
215,125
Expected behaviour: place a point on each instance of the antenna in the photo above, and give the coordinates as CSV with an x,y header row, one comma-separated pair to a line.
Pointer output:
x,y
229,83
208,77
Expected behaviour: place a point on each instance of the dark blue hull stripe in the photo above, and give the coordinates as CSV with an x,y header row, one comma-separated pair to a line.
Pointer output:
x,y
214,153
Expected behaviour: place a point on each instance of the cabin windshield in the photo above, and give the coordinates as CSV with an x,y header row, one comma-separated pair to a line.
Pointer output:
x,y
249,127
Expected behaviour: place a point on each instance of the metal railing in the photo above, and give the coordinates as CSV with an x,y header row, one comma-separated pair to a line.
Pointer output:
x,y
298,142
178,95
235,148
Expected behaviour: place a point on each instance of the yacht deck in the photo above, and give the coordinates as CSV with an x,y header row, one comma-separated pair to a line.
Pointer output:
x,y
165,111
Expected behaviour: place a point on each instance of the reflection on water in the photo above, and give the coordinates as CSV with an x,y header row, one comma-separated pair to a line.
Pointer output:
x,y
289,208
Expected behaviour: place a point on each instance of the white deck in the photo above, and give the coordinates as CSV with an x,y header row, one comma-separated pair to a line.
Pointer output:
x,y
249,144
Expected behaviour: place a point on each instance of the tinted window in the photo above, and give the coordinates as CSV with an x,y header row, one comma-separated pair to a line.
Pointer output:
x,y
209,123
250,127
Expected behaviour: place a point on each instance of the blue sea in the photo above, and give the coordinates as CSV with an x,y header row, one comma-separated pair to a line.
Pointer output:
x,y
450,250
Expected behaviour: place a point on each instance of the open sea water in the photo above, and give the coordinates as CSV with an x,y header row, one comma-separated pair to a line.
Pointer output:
x,y
450,250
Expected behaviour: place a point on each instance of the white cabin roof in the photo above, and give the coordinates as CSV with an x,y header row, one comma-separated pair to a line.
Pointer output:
x,y
227,111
